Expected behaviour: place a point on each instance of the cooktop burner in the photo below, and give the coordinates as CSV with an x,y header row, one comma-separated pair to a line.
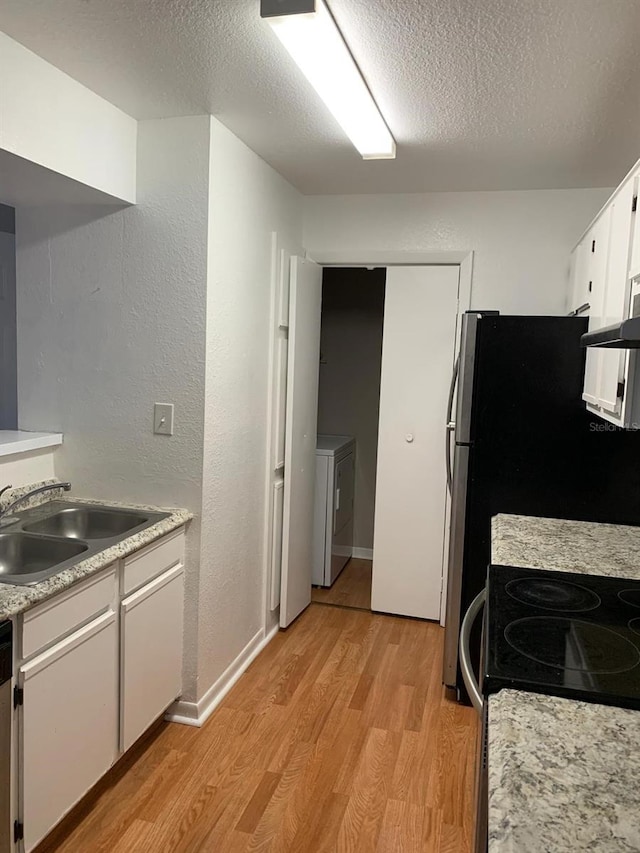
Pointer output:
x,y
563,634
550,641
630,596
552,594
634,624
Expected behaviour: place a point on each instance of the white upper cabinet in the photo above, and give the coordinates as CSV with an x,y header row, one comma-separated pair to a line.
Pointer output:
x,y
601,274
616,298
579,296
634,263
595,270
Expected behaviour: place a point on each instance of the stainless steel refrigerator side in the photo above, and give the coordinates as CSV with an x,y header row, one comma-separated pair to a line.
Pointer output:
x,y
465,381
466,366
454,572
451,424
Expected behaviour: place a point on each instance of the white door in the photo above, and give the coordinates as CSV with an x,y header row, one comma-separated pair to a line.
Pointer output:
x,y
300,437
420,312
69,723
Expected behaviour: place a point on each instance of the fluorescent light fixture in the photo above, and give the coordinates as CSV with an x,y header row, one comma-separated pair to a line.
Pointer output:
x,y
316,44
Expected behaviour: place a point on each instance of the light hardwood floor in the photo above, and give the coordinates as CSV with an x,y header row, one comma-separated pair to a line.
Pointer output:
x,y
351,589
338,738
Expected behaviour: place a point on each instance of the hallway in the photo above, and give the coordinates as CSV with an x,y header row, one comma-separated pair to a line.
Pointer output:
x,y
337,738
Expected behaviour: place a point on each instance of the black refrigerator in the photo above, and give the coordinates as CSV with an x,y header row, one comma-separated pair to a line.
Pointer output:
x,y
523,442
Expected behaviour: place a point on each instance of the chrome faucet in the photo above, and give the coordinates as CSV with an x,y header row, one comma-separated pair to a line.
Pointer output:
x,y
49,487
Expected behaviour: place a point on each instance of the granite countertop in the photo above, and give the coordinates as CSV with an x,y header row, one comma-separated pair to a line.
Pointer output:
x,y
16,599
563,774
566,546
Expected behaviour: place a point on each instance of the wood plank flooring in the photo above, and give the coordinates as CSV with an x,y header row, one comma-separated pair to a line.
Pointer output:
x,y
351,589
339,737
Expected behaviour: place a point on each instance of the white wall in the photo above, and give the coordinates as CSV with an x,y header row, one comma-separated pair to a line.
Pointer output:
x,y
521,240
249,200
111,317
23,469
50,119
117,310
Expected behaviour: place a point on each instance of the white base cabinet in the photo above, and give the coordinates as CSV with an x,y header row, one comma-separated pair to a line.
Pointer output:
x,y
69,731
151,623
96,665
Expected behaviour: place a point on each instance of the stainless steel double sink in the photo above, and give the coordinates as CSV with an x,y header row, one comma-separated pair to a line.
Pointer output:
x,y
49,538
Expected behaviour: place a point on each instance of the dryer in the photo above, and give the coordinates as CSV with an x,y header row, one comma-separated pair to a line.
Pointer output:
x,y
333,511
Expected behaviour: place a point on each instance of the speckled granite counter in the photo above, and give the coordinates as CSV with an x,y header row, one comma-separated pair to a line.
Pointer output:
x,y
563,775
566,546
15,599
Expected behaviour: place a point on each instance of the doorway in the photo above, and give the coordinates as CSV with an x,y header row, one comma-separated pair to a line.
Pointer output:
x,y
424,296
351,336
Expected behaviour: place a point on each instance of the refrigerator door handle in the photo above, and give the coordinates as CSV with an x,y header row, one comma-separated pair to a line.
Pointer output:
x,y
455,565
451,425
468,676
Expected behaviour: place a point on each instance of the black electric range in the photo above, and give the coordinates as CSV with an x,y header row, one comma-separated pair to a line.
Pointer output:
x,y
563,634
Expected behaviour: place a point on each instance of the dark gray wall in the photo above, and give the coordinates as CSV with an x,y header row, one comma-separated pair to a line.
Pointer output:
x,y
349,395
8,376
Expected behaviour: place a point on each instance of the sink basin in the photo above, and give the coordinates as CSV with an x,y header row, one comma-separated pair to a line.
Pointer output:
x,y
87,523
27,556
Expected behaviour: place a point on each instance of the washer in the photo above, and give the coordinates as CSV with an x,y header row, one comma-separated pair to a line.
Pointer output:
x,y
333,512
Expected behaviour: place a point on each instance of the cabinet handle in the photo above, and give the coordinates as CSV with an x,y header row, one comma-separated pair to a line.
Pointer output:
x,y
68,644
151,587
590,286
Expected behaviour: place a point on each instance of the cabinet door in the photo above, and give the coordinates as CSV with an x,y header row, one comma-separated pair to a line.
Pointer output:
x,y
634,261
616,296
579,278
597,243
68,723
151,648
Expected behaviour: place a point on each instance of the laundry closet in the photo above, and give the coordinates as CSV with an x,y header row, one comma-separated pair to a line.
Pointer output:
x,y
361,365
348,412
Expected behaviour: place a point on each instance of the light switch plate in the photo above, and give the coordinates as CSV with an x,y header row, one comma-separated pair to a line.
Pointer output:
x,y
163,418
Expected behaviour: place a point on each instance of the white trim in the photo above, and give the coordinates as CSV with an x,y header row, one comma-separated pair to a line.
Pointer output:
x,y
267,567
464,291
387,258
363,553
197,713
18,441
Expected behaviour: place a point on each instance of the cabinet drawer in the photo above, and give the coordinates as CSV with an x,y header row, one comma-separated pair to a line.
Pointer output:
x,y
46,623
151,561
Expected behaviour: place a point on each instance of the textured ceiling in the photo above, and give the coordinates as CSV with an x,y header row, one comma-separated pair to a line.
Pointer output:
x,y
480,94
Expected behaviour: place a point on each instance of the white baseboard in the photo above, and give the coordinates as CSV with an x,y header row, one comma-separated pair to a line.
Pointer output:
x,y
363,553
197,713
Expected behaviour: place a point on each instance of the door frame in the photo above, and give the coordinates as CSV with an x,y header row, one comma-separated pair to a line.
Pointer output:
x,y
281,252
389,258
